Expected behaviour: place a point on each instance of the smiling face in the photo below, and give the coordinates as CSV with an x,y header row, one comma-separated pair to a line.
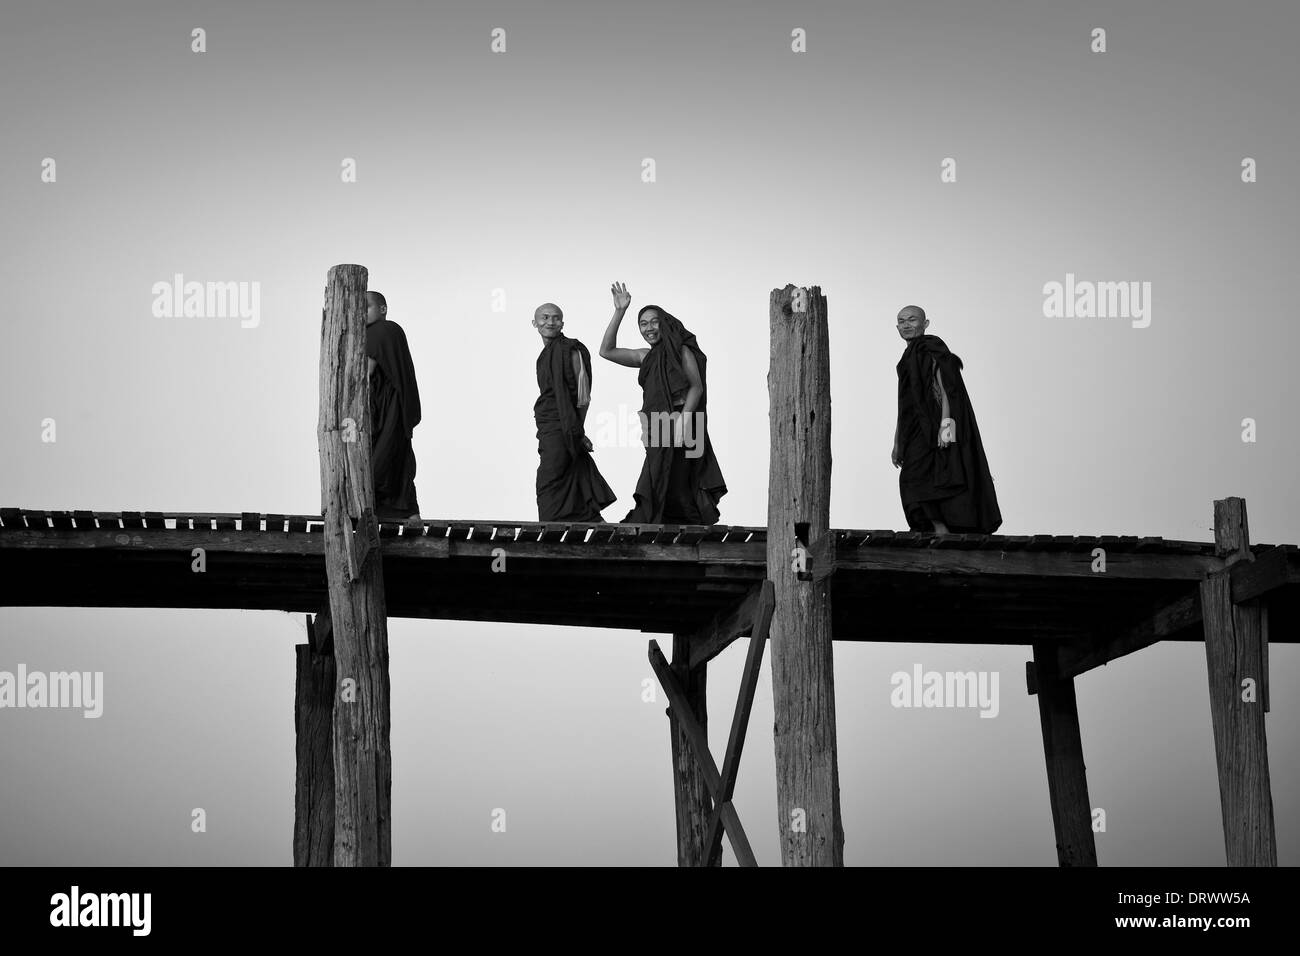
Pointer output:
x,y
912,322
648,323
548,320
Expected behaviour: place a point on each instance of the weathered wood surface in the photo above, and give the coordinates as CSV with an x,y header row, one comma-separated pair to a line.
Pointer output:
x,y
358,612
1235,664
1067,778
691,800
313,825
799,490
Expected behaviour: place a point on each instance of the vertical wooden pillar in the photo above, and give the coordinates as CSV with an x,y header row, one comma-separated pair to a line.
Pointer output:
x,y
1235,663
362,755
799,491
313,714
690,792
1067,779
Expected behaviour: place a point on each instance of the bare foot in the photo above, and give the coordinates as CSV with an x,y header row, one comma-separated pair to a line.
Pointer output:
x,y
940,528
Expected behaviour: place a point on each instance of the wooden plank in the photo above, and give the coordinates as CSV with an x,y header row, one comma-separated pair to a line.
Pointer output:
x,y
851,539
12,518
358,605
1027,564
717,532
553,532
132,519
577,534
84,519
1234,655
250,522
459,530
108,520
799,491
1269,570
1067,780
602,534
200,523
61,520
227,523
297,524
647,533
668,534
275,523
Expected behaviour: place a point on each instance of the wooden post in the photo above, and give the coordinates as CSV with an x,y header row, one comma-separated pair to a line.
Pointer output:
x,y
690,792
1067,779
799,492
362,755
313,713
1235,664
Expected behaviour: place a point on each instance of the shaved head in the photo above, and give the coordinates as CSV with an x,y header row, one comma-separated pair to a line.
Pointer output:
x,y
548,320
548,308
912,322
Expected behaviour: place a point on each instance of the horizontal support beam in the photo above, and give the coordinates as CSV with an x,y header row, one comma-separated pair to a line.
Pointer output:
x,y
710,641
1268,571
1060,564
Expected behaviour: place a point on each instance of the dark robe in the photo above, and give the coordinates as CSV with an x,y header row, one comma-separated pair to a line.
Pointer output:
x,y
674,488
954,482
394,413
569,486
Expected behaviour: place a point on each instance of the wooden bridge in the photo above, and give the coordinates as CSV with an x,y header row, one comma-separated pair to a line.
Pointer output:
x,y
1078,602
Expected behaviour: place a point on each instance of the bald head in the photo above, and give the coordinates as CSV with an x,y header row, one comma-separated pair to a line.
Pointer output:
x,y
548,320
912,322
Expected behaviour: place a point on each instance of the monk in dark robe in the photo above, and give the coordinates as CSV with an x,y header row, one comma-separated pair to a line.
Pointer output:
x,y
945,482
394,413
680,481
569,486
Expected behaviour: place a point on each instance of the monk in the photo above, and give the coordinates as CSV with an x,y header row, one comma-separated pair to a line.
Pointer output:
x,y
394,413
569,486
680,481
945,482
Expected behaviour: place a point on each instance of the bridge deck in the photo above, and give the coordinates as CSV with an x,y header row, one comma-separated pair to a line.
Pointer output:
x,y
888,586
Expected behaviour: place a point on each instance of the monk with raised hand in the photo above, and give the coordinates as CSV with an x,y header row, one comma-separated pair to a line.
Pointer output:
x,y
945,484
394,413
569,485
680,481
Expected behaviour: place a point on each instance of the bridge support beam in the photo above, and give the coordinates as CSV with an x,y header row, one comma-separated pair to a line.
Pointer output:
x,y
1236,656
1067,778
690,790
358,607
799,492
313,714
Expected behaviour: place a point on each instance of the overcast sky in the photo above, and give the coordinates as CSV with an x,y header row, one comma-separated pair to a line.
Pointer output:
x,y
516,177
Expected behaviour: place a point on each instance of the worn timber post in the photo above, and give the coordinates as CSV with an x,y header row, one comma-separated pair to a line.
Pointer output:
x,y
690,791
1237,669
313,713
1067,778
799,492
358,611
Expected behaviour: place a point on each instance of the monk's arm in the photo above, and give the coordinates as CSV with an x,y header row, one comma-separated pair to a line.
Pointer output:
x,y
696,391
584,387
945,412
370,365
609,350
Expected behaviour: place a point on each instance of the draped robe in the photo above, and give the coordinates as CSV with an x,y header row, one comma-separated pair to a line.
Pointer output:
x,y
674,488
394,413
955,481
569,485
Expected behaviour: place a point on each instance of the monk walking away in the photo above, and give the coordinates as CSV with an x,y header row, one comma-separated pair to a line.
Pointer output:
x,y
569,486
680,481
394,413
945,482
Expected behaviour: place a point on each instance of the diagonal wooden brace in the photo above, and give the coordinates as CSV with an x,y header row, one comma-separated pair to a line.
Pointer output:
x,y
700,745
740,720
